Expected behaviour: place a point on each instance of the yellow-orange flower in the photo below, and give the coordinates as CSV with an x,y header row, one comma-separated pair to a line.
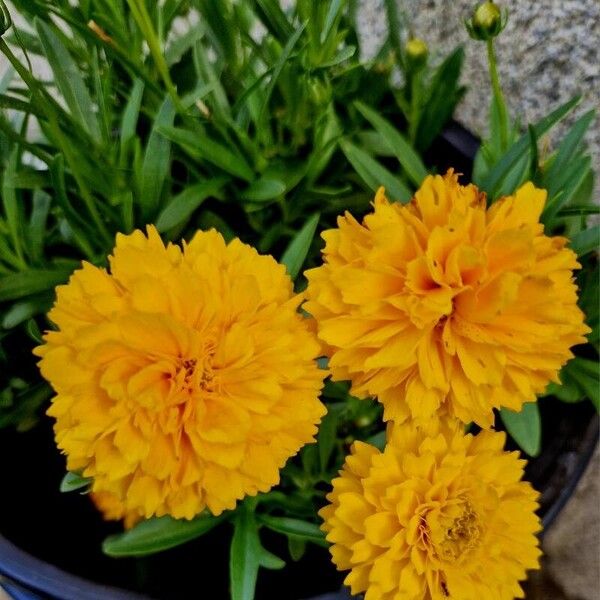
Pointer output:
x,y
444,306
184,378
438,515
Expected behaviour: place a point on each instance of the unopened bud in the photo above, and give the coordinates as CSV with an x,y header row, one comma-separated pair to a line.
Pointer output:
x,y
487,22
416,53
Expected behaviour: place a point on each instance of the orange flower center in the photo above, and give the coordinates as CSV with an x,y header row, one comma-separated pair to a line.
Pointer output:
x,y
452,532
197,373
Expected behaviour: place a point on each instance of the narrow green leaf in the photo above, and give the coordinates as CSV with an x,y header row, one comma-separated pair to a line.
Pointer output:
x,y
586,373
202,147
73,481
559,169
278,67
496,175
295,254
181,207
326,437
295,528
158,534
586,241
296,548
243,558
374,174
32,281
13,209
22,311
210,220
157,162
406,155
68,79
332,12
274,18
37,224
525,427
263,190
342,56
443,95
132,111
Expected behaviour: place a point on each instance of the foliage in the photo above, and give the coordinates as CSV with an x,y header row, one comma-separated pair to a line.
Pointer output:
x,y
245,121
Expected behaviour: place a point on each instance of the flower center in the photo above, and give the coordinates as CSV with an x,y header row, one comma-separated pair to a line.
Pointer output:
x,y
462,535
193,374
450,533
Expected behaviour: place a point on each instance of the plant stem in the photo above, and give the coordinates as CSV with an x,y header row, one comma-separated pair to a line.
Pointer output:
x,y
498,95
144,22
415,101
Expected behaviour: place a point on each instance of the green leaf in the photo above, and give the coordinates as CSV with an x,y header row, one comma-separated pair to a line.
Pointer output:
x,y
406,155
202,147
13,209
326,437
332,12
586,241
132,111
586,373
157,162
158,534
181,207
296,548
32,281
210,220
296,528
278,67
374,174
68,79
247,554
24,310
37,224
263,190
295,254
525,427
444,94
560,166
493,179
73,481
274,18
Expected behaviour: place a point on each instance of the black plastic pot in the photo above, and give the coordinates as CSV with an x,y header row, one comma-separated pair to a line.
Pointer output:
x,y
43,543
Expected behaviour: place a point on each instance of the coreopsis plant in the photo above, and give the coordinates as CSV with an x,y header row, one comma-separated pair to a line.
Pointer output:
x,y
185,381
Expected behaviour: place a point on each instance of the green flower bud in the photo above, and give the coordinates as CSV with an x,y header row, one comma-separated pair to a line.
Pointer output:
x,y
416,53
5,20
487,22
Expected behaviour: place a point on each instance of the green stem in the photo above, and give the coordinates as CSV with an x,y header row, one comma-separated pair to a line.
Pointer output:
x,y
144,22
498,95
415,100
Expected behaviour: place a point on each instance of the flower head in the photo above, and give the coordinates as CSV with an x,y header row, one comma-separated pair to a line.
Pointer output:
x,y
437,515
184,378
443,305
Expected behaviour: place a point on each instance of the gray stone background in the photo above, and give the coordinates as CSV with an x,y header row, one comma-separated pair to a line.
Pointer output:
x,y
549,52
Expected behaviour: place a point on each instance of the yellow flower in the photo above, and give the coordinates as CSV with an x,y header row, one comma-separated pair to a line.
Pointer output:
x,y
184,378
442,306
437,515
